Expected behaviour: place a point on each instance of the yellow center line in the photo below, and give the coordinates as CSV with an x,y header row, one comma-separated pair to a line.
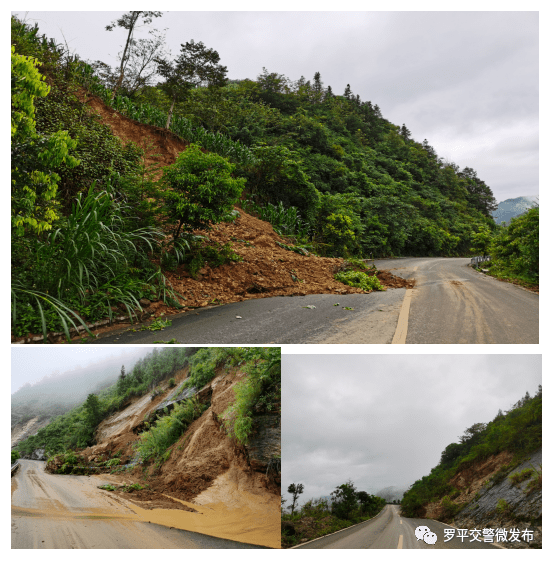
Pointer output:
x,y
402,325
400,542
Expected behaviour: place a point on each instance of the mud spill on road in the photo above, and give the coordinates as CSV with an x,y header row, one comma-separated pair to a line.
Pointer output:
x,y
241,524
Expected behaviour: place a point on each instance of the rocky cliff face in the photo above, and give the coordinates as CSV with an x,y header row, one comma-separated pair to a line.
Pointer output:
x,y
493,494
508,504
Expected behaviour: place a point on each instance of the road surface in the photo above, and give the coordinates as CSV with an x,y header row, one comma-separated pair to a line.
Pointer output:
x,y
389,530
70,512
451,303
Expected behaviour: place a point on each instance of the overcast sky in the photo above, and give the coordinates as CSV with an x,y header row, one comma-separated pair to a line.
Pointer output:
x,y
383,420
466,81
30,363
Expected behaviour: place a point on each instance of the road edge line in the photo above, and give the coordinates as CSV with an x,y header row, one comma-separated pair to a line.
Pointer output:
x,y
402,324
342,530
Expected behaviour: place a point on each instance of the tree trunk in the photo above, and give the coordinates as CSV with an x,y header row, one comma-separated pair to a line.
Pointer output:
x,y
170,114
122,70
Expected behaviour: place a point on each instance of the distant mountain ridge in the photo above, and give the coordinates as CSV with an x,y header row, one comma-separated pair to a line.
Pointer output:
x,y
511,208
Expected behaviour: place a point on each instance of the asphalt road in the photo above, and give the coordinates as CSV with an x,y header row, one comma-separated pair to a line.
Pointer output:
x,y
69,512
452,303
389,530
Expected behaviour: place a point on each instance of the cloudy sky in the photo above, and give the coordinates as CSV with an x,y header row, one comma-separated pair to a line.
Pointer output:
x,y
31,363
465,81
383,420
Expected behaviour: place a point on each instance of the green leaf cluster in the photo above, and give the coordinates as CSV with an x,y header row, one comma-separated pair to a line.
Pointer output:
x,y
360,280
515,249
258,392
201,190
167,430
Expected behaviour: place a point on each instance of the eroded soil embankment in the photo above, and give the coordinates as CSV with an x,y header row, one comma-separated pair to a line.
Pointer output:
x,y
267,269
207,472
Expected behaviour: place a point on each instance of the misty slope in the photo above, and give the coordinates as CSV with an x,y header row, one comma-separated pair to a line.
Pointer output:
x,y
33,405
511,208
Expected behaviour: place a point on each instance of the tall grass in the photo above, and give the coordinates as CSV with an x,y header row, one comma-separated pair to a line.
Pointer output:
x,y
90,262
166,431
285,221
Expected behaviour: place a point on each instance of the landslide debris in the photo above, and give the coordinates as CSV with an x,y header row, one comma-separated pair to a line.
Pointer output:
x,y
205,465
267,268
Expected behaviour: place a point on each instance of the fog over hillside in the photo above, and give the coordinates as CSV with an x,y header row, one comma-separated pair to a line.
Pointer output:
x,y
49,385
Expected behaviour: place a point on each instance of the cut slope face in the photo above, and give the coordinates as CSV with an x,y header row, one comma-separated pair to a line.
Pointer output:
x,y
489,498
206,473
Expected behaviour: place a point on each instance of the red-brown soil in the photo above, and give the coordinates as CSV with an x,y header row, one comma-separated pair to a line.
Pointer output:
x,y
203,453
470,481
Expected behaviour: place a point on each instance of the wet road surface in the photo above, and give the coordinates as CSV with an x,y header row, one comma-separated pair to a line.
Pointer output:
x,y
69,512
389,530
451,304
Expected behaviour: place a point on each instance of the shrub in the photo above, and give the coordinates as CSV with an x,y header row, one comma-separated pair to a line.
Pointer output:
x,y
167,430
172,383
515,250
535,482
14,456
201,190
449,508
359,280
503,507
259,390
520,476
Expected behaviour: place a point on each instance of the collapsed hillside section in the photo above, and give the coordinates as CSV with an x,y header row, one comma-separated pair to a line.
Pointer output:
x,y
266,269
209,483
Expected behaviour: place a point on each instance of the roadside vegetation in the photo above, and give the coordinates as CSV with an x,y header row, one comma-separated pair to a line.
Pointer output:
x,y
514,250
96,225
518,430
319,517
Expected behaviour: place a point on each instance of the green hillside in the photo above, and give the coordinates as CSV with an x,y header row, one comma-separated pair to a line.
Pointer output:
x,y
75,429
90,218
518,431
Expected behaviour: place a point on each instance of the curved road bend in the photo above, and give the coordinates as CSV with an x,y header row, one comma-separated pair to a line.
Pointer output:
x,y
389,530
452,303
69,512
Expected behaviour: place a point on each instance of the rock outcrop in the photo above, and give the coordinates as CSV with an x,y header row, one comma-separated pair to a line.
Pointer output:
x,y
508,505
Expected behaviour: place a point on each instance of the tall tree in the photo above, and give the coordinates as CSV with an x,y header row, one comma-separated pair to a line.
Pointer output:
x,y
195,66
347,93
129,21
479,193
295,489
405,133
344,500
